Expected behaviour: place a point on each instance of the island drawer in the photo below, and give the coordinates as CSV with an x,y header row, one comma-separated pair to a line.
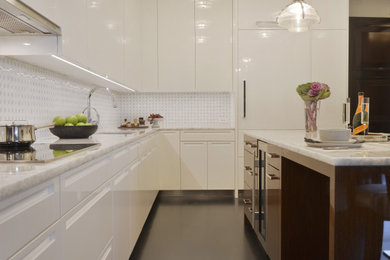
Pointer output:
x,y
273,156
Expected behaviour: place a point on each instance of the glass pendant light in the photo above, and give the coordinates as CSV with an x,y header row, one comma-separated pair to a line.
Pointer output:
x,y
298,17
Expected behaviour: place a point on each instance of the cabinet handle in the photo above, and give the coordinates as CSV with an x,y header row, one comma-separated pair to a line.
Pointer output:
x,y
251,145
244,99
25,204
247,201
87,207
273,155
272,177
39,250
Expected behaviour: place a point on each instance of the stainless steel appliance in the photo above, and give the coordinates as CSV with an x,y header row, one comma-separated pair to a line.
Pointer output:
x,y
23,31
262,193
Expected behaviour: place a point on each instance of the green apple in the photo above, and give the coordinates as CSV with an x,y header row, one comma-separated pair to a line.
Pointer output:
x,y
57,153
81,124
69,124
81,118
72,120
59,121
88,124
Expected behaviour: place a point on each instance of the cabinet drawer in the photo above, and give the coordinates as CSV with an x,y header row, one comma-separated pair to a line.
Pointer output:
x,y
87,228
273,156
46,246
220,135
24,216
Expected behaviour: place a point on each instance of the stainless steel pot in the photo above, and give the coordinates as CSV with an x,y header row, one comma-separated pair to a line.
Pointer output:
x,y
14,134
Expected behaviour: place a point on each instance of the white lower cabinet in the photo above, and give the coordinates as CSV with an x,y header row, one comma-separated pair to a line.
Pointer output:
x,y
207,160
220,165
46,246
25,215
169,160
193,165
121,195
87,228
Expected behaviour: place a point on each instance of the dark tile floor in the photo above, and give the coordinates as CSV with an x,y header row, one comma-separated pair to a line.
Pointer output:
x,y
197,227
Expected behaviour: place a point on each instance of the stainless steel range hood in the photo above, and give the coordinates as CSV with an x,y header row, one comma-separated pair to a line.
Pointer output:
x,y
23,31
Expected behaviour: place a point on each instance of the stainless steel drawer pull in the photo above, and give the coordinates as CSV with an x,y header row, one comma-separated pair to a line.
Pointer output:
x,y
272,177
251,145
248,168
247,201
273,155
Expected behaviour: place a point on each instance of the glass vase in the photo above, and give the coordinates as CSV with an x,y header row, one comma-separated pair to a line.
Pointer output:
x,y
311,118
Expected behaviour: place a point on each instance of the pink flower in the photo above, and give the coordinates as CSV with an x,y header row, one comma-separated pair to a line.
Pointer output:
x,y
315,89
326,86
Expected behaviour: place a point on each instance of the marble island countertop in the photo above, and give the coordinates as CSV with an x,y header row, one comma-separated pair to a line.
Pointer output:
x,y
16,177
369,154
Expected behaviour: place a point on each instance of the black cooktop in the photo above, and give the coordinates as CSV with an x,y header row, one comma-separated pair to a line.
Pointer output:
x,y
42,152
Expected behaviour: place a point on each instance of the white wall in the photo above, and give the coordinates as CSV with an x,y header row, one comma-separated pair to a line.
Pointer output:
x,y
369,8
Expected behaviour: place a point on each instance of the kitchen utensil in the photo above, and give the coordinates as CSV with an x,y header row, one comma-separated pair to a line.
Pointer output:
x,y
335,134
70,132
18,134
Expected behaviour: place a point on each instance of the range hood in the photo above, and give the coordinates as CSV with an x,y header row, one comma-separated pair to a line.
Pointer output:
x,y
23,31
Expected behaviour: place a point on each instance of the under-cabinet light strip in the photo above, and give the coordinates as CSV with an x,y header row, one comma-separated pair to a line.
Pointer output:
x,y
93,73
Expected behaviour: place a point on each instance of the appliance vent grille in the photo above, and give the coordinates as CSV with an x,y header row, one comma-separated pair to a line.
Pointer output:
x,y
14,25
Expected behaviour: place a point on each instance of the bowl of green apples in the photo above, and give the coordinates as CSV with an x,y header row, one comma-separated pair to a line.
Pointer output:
x,y
72,127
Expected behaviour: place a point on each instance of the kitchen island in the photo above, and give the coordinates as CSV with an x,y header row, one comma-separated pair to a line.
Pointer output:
x,y
334,202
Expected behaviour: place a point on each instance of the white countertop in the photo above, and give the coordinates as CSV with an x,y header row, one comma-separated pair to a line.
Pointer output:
x,y
370,154
16,177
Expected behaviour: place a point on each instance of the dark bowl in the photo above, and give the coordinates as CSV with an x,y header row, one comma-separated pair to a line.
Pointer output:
x,y
72,132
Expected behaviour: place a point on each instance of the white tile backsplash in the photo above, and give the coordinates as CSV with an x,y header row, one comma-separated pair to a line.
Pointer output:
x,y
37,95
181,110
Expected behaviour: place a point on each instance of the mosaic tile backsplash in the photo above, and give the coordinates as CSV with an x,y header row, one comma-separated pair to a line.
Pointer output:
x,y
181,110
37,95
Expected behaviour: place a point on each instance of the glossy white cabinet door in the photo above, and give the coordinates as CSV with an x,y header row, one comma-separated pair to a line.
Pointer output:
x,y
169,160
220,161
214,50
47,246
334,13
149,47
251,11
105,50
87,228
132,43
22,218
70,15
193,165
273,64
176,45
121,214
330,65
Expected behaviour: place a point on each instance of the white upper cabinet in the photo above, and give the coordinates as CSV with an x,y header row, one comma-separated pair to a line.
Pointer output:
x,y
333,13
70,15
251,11
105,50
213,26
272,63
176,45
149,47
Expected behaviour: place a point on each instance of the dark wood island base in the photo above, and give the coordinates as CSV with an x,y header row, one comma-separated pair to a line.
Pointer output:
x,y
331,212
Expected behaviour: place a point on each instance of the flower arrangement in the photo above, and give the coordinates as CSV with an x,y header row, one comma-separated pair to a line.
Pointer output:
x,y
311,93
